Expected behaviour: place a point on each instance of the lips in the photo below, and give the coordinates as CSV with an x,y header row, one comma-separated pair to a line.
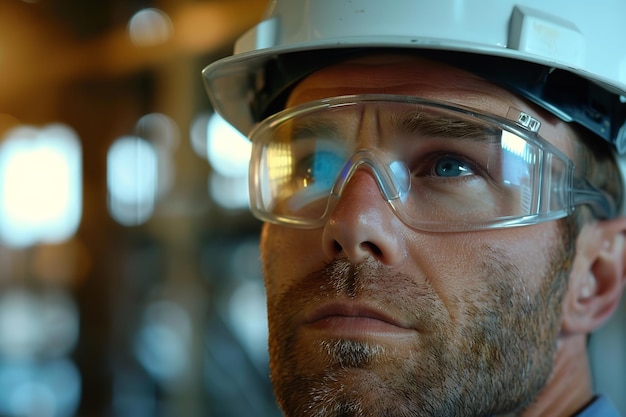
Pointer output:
x,y
353,319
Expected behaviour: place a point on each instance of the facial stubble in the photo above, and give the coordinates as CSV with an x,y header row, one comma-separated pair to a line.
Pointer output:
x,y
494,360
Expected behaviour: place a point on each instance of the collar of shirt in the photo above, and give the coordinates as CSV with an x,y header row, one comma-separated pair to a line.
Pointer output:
x,y
600,407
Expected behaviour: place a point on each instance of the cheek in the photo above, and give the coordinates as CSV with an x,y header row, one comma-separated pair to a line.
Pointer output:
x,y
288,254
455,265
532,249
458,264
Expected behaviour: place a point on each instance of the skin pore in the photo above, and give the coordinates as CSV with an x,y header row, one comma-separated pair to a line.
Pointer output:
x,y
368,317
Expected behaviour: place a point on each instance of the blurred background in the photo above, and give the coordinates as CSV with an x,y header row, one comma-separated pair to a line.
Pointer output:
x,y
129,276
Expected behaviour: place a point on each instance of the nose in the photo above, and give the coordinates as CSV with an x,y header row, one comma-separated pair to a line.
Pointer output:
x,y
362,224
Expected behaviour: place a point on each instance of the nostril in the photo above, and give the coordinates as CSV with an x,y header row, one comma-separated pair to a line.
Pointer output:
x,y
367,247
372,248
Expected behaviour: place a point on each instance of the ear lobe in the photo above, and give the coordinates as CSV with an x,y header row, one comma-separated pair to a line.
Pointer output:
x,y
598,277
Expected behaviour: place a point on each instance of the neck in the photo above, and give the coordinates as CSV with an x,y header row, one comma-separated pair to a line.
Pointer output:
x,y
569,388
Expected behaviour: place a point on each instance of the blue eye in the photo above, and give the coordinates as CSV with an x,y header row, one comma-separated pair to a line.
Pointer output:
x,y
320,168
449,166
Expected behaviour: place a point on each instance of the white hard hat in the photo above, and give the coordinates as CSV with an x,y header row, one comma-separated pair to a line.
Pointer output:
x,y
567,56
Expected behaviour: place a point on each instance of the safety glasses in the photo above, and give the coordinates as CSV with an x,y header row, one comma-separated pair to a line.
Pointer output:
x,y
441,167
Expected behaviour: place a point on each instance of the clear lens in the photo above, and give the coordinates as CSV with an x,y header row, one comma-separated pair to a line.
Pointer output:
x,y
440,167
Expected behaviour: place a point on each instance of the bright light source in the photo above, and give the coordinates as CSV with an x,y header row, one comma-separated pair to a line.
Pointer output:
x,y
36,325
19,326
132,166
229,192
150,27
162,344
228,150
43,388
40,185
198,133
164,134
159,129
247,313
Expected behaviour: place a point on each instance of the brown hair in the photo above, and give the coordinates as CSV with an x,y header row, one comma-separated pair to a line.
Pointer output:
x,y
595,159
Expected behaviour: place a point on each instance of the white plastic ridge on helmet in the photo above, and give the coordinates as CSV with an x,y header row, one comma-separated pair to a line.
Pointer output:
x,y
579,37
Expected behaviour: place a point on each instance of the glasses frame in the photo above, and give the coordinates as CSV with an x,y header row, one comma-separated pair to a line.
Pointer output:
x,y
519,123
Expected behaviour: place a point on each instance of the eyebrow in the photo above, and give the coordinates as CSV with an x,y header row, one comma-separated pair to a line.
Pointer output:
x,y
439,126
413,123
315,127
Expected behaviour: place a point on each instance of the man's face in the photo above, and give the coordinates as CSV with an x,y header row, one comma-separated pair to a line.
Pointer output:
x,y
370,317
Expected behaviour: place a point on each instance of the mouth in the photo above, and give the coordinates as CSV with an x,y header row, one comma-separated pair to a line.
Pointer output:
x,y
356,320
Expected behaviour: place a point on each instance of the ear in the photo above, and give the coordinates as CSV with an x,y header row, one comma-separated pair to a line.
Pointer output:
x,y
598,276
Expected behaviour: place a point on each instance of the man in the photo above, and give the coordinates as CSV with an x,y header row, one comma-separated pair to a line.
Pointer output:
x,y
443,201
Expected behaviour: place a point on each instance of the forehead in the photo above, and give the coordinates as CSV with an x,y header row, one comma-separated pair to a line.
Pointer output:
x,y
415,76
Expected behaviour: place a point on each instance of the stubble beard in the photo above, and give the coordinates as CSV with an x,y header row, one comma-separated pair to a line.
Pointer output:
x,y
495,361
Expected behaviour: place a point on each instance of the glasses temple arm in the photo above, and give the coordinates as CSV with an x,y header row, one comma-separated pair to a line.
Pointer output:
x,y
600,202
